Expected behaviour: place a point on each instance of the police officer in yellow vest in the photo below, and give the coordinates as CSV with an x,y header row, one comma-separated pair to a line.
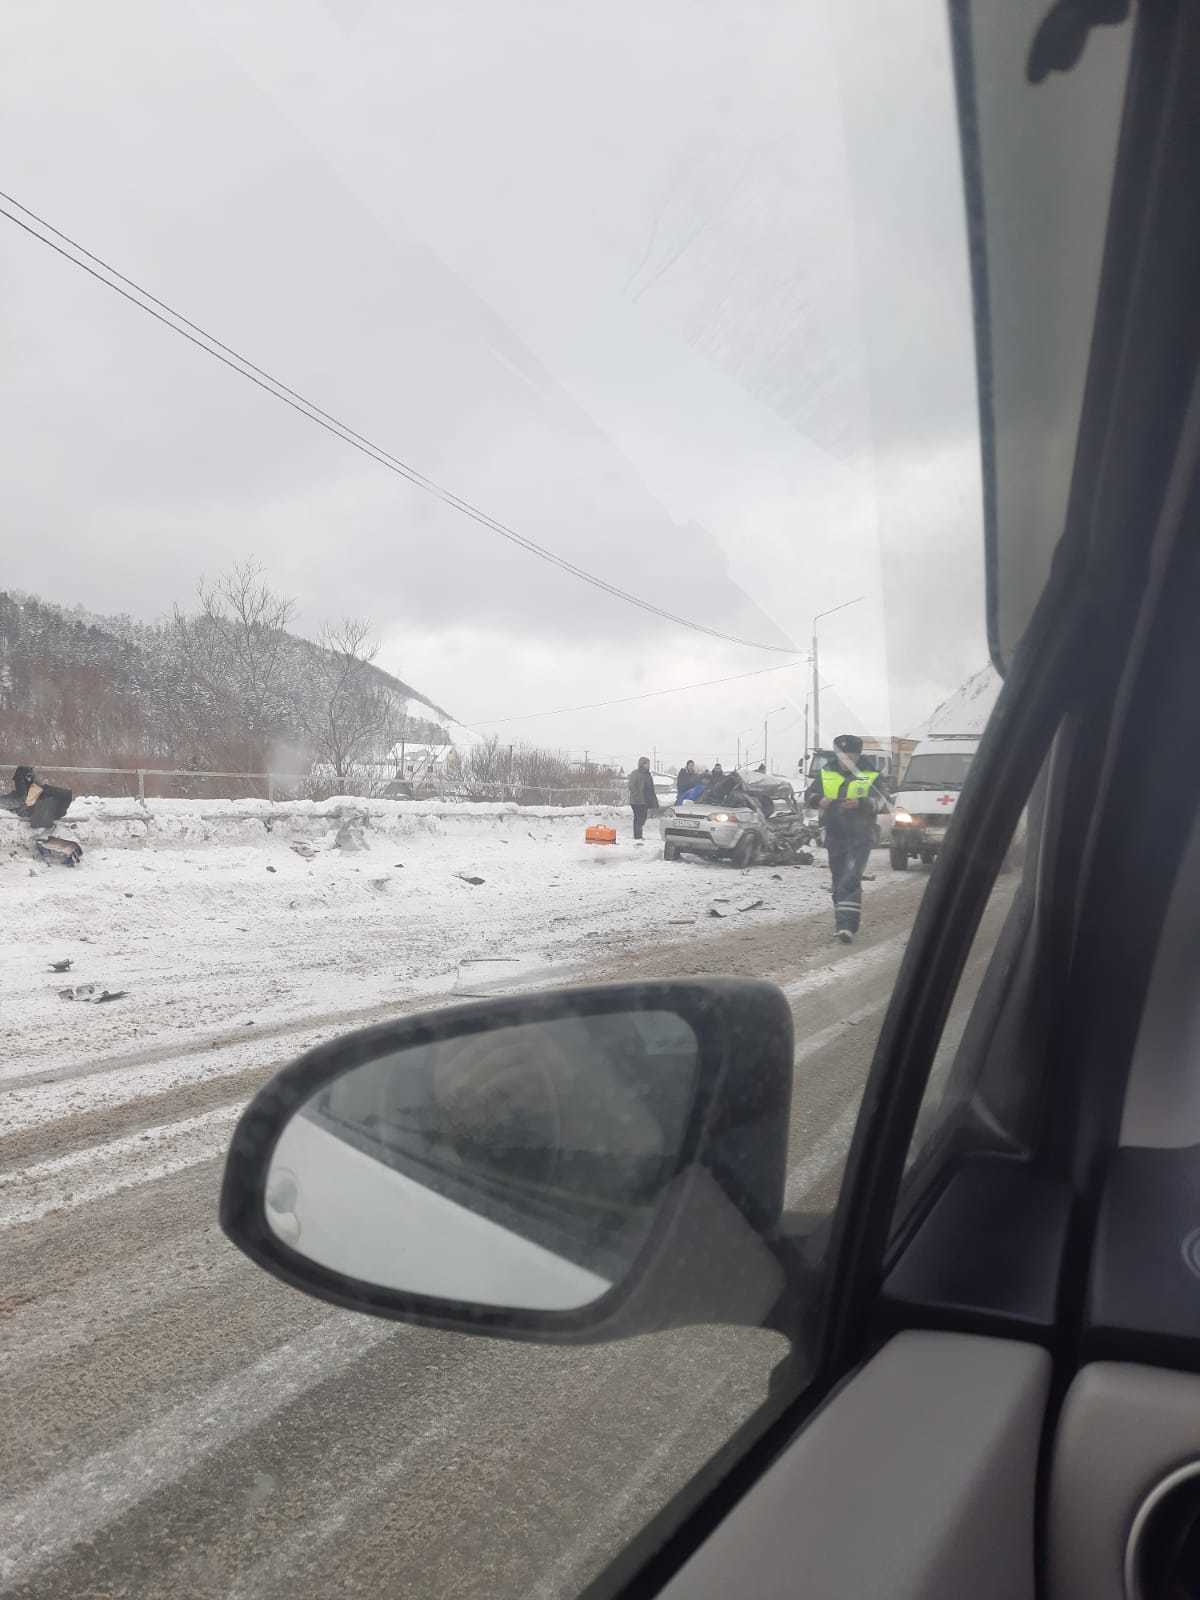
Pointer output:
x,y
848,796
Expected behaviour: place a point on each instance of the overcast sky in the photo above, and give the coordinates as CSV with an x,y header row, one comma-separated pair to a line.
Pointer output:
x,y
677,289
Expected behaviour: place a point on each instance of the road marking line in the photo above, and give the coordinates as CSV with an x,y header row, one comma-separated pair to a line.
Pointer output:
x,y
105,1486
270,1574
816,1042
151,1154
824,1156
84,1176
875,956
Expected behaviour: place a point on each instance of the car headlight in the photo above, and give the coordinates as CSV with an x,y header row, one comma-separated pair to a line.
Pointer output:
x,y
719,816
904,817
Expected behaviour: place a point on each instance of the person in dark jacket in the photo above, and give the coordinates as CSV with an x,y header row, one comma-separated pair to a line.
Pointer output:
x,y
642,795
685,779
40,804
848,797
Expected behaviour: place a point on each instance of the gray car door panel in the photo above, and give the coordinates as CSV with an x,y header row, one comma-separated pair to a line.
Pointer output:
x,y
1124,1429
915,1482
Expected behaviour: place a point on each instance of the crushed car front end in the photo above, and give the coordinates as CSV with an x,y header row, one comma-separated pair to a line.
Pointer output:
x,y
708,829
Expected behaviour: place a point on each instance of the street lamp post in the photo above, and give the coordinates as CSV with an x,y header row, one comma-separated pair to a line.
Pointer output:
x,y
816,679
769,714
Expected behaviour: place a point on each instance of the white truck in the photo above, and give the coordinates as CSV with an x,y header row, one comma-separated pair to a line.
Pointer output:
x,y
927,797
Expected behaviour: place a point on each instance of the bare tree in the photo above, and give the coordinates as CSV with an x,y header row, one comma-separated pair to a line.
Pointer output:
x,y
350,715
234,653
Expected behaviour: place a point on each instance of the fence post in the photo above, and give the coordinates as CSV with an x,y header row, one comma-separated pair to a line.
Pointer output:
x,y
270,788
141,778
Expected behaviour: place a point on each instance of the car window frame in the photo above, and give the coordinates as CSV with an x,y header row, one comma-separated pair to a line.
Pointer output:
x,y
1068,663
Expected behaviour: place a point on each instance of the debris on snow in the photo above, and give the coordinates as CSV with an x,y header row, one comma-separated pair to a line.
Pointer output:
x,y
59,851
334,936
272,869
61,966
752,905
92,992
467,878
351,835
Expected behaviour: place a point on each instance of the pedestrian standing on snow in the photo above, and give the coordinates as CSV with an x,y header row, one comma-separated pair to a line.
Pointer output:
x,y
849,798
642,796
685,779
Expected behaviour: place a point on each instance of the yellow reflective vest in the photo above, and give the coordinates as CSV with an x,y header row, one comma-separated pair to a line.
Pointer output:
x,y
855,788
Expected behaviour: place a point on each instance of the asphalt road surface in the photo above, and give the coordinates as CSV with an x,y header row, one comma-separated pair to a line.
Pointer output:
x,y
175,1423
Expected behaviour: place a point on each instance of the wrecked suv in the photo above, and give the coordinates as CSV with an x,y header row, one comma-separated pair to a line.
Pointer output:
x,y
752,820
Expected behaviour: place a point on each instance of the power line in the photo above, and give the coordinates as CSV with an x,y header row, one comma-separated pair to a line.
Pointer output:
x,y
178,323
650,694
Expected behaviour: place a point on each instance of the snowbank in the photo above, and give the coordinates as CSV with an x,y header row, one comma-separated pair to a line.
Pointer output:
x,y
207,931
121,823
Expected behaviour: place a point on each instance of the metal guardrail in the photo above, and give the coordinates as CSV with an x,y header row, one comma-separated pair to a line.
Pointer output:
x,y
447,791
142,773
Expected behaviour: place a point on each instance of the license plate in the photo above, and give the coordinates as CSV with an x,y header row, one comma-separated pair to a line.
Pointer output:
x,y
688,822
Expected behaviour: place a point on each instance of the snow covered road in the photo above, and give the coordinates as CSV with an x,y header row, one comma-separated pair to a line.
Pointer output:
x,y
174,1421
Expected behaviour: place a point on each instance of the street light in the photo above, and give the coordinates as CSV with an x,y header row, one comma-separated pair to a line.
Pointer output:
x,y
769,714
816,688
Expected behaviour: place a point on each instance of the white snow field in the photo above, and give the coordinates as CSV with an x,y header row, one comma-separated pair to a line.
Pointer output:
x,y
225,923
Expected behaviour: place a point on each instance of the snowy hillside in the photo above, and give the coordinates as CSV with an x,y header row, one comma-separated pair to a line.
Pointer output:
x,y
76,687
967,711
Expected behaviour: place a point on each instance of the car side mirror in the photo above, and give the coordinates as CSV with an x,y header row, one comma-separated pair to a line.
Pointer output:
x,y
577,1165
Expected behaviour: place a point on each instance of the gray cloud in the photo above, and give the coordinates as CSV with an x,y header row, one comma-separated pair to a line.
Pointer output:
x,y
679,294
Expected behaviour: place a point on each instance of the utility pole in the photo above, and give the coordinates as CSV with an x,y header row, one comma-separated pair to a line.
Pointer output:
x,y
816,687
804,757
764,741
738,762
816,692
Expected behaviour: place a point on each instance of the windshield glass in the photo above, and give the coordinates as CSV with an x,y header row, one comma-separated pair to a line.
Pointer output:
x,y
437,440
938,769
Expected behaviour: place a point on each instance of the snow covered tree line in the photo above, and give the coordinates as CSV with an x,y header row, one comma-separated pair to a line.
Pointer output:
x,y
224,686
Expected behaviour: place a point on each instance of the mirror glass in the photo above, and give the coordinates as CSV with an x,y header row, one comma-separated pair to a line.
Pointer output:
x,y
521,1167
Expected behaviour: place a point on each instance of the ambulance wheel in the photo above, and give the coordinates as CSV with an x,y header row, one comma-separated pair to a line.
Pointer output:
x,y
670,852
899,858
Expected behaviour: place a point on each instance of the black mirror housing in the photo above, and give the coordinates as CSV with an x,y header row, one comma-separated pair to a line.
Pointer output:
x,y
688,1244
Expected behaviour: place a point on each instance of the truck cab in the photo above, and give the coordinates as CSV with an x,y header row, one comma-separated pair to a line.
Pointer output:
x,y
927,797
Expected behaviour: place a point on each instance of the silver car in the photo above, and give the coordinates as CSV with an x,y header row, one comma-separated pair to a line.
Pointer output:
x,y
736,833
764,824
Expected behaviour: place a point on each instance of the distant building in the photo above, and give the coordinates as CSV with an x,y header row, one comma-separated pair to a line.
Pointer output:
x,y
417,761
